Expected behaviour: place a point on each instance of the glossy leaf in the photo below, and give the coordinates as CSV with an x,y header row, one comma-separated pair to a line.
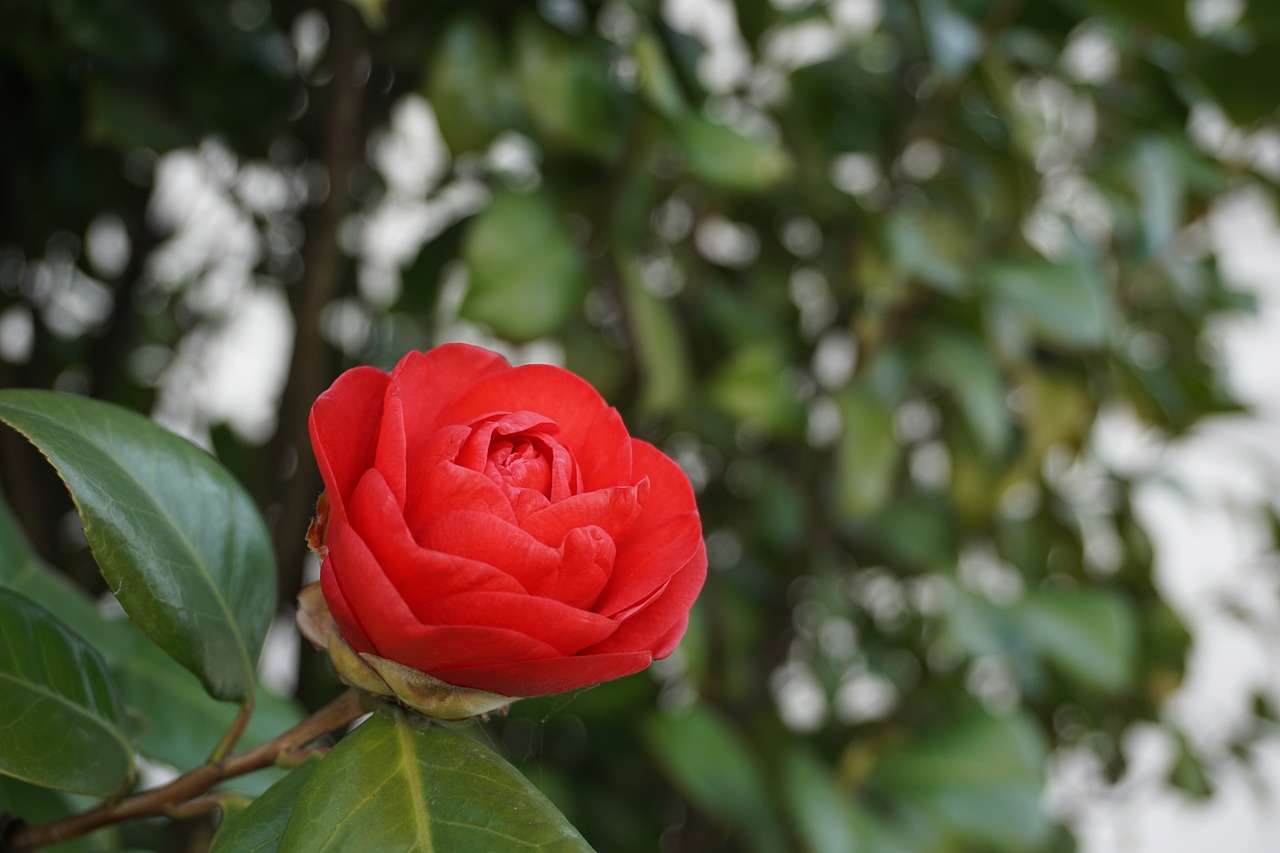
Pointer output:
x,y
23,571
260,827
527,276
177,538
60,715
397,784
181,723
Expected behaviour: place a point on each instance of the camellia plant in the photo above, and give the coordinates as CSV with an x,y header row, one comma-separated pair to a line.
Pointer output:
x,y
487,533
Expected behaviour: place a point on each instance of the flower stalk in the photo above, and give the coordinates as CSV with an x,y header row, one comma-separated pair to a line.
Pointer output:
x,y
192,785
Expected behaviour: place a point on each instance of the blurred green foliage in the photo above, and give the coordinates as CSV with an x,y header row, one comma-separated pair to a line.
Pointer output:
x,y
868,270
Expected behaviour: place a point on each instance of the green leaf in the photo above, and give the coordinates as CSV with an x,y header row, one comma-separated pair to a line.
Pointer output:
x,y
1166,17
260,827
566,89
822,811
177,538
660,346
35,805
1067,305
61,716
931,247
730,160
977,781
1090,635
1235,79
714,767
964,365
658,85
396,784
23,571
468,86
751,387
867,456
182,723
527,276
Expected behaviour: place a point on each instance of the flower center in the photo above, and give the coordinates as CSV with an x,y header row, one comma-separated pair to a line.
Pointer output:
x,y
515,462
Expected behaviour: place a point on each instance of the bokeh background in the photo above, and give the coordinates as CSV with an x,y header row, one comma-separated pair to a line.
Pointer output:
x,y
963,317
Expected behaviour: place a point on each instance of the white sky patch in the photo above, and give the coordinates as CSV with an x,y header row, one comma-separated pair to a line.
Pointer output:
x,y
727,62
802,44
411,153
1201,506
233,373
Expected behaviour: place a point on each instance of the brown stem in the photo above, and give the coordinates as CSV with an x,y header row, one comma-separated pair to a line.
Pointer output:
x,y
193,783
232,736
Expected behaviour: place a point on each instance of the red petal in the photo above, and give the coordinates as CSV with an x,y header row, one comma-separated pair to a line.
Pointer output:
x,y
667,643
446,487
647,561
484,537
663,537
547,676
437,649
390,458
344,426
588,555
475,452
651,627
397,634
430,381
593,432
613,509
566,628
345,620
375,603
419,574
673,494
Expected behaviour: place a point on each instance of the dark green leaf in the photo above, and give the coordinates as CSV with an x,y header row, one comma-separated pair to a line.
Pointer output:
x,y
23,571
182,723
822,811
964,365
660,347
725,158
468,86
1235,79
36,805
868,452
978,781
61,714
1091,635
260,827
1067,305
177,538
527,275
716,769
396,784
566,89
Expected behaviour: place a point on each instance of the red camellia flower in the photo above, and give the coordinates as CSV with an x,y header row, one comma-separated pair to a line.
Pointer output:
x,y
493,532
